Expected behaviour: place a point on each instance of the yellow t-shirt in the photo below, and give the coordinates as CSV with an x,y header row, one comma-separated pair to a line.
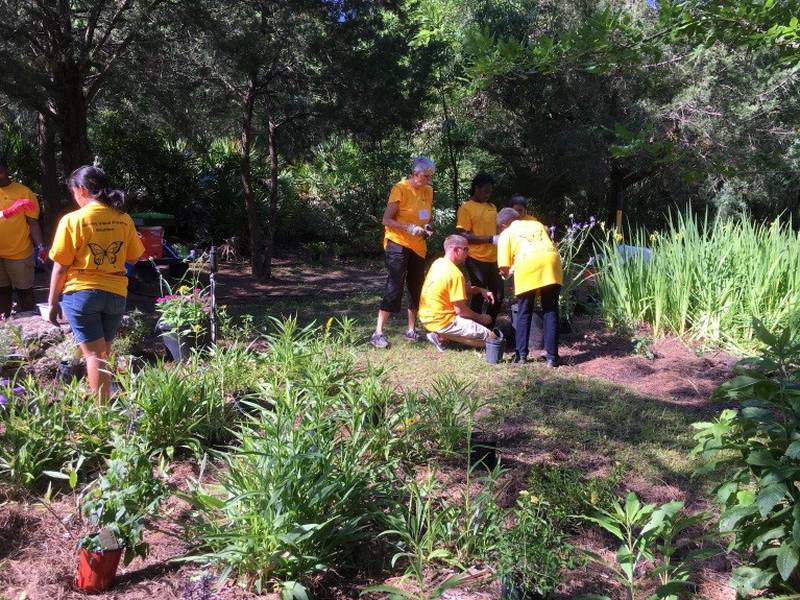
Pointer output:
x,y
443,286
15,234
479,218
526,246
415,208
95,242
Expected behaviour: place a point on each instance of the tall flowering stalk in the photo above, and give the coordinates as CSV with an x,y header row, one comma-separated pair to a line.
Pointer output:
x,y
574,260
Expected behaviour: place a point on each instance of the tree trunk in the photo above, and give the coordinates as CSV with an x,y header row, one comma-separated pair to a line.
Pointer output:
x,y
273,190
71,113
451,154
254,227
51,191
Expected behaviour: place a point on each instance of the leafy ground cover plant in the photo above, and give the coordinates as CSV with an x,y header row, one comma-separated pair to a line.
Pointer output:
x,y
306,478
652,534
35,435
756,448
179,407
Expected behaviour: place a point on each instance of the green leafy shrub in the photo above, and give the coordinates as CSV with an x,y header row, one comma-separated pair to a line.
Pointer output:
x,y
306,477
119,502
652,534
533,552
756,448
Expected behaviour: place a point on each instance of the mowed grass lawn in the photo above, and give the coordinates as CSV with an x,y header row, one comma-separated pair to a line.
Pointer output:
x,y
540,414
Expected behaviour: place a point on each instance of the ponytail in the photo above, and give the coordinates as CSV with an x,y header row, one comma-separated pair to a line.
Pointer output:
x,y
96,182
116,199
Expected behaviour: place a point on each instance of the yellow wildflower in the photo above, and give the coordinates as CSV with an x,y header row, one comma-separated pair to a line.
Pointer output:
x,y
617,237
653,236
184,289
328,324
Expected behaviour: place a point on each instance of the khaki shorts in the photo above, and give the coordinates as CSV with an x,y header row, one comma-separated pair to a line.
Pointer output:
x,y
466,331
17,273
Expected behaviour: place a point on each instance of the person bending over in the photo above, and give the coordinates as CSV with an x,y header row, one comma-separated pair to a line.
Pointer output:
x,y
406,227
476,221
520,204
443,306
526,246
19,232
89,252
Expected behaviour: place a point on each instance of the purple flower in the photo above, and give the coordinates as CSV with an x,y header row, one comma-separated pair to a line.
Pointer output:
x,y
3,400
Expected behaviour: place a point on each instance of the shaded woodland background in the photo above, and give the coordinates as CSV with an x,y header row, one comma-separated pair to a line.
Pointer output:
x,y
287,121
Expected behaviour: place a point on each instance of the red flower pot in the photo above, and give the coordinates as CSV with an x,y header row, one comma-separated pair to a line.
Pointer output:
x,y
96,570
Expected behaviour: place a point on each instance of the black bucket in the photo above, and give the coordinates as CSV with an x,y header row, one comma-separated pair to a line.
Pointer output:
x,y
494,348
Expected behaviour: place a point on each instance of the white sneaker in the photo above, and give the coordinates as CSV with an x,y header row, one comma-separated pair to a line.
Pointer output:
x,y
434,339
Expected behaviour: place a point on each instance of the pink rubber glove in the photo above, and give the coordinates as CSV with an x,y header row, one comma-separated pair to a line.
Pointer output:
x,y
20,205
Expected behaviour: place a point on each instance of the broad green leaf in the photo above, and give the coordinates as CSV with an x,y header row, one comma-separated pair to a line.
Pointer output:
x,y
730,518
769,497
787,560
793,451
747,580
760,458
608,525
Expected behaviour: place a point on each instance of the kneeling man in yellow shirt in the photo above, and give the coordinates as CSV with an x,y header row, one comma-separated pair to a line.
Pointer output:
x,y
443,308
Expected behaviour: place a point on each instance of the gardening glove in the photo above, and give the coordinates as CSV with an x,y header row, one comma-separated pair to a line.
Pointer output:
x,y
415,230
41,254
16,208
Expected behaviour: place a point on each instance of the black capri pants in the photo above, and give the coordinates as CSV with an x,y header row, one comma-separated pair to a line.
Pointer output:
x,y
405,268
485,275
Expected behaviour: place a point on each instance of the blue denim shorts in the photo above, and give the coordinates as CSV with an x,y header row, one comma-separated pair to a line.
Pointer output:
x,y
93,314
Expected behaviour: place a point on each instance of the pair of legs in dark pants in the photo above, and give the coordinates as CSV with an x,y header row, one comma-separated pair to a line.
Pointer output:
x,y
525,302
485,275
405,268
24,298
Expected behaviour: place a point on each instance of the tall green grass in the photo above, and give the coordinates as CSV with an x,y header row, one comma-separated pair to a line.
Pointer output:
x,y
707,279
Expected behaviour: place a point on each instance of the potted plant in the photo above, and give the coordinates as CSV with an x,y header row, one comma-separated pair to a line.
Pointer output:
x,y
183,319
116,506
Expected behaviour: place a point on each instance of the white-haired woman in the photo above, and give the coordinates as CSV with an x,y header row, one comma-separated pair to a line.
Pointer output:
x,y
526,246
408,211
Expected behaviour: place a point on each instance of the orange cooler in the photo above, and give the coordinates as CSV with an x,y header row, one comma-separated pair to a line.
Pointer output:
x,y
153,241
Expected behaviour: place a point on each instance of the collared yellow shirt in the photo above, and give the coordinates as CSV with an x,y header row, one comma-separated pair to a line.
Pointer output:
x,y
415,207
527,247
479,218
444,285
15,234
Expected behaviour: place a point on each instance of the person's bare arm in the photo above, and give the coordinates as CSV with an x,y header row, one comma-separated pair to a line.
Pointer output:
x,y
462,310
57,279
474,239
487,295
36,231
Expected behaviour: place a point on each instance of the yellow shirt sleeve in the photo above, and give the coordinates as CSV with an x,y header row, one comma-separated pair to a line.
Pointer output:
x,y
463,219
63,249
504,254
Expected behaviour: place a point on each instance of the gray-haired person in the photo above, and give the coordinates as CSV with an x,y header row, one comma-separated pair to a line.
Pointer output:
x,y
408,211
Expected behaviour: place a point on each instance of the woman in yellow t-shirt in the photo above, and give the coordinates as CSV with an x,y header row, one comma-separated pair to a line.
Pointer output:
x,y
476,220
89,252
406,224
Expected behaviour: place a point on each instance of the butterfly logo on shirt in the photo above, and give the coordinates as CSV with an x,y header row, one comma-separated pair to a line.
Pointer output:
x,y
100,254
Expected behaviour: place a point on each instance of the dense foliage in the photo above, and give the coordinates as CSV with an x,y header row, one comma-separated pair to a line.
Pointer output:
x,y
208,112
